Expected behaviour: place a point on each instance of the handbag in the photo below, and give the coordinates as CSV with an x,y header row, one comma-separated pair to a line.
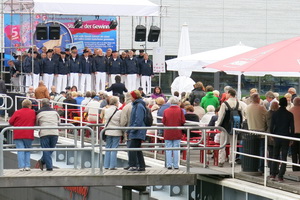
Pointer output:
x,y
103,134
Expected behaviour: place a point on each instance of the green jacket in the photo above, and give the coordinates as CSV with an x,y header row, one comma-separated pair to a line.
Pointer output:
x,y
210,99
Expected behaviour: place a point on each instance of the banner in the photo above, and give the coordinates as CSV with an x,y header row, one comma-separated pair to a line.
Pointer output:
x,y
159,60
94,33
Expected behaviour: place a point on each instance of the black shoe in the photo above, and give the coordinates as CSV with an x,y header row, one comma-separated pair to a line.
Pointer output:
x,y
176,168
113,168
50,169
126,168
141,169
132,169
169,167
40,164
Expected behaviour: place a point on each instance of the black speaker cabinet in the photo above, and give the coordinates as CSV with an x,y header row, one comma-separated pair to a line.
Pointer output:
x,y
153,34
140,33
54,32
41,32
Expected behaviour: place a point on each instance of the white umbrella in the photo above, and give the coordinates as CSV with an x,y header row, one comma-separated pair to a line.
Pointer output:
x,y
183,83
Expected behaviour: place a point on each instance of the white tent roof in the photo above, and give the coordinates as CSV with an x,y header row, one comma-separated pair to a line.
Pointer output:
x,y
87,7
199,60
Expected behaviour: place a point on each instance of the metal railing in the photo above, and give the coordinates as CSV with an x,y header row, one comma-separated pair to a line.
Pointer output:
x,y
265,158
4,106
76,148
188,148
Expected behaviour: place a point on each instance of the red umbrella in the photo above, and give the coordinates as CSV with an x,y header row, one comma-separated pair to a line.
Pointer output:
x,y
278,59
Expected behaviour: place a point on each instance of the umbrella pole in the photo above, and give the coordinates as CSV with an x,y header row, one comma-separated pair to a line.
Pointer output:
x,y
239,90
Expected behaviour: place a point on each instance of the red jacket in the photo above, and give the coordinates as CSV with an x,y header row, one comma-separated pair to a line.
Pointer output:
x,y
173,116
23,117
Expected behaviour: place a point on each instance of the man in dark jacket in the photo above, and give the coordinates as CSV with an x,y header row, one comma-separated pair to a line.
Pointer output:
x,y
282,123
49,69
197,92
74,68
115,67
132,71
100,63
136,136
86,70
117,88
15,70
63,70
146,71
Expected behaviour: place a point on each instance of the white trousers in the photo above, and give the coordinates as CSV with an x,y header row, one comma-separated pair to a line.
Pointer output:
x,y
85,81
131,82
61,83
35,80
138,82
28,81
15,83
222,152
100,81
146,80
48,80
74,77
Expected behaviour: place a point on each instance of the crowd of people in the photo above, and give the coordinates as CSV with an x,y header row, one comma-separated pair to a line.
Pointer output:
x,y
204,105
85,70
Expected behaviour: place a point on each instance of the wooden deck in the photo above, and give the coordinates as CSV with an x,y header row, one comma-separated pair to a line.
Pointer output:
x,y
83,177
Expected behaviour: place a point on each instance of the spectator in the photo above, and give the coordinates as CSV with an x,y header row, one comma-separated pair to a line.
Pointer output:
x,y
53,92
59,99
296,144
224,120
23,138
197,92
47,116
69,100
224,95
282,123
157,93
112,118
173,116
270,98
41,91
142,92
176,94
87,99
79,98
198,110
256,116
210,98
293,92
30,91
136,136
93,109
288,97
207,117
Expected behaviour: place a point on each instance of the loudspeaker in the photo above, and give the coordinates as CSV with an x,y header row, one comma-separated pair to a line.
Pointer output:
x,y
140,33
153,34
41,32
54,32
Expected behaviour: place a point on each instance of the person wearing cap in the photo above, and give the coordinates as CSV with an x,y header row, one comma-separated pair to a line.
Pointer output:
x,y
74,62
146,71
63,71
115,67
74,49
141,55
141,91
48,69
68,53
27,65
100,63
136,136
132,71
35,76
86,68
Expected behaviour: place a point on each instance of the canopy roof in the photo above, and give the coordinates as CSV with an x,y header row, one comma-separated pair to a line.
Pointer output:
x,y
85,7
278,59
199,60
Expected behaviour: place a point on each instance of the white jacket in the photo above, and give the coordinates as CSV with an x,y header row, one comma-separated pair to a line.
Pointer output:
x,y
114,122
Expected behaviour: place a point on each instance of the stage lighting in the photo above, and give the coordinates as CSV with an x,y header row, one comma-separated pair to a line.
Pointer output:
x,y
113,24
78,23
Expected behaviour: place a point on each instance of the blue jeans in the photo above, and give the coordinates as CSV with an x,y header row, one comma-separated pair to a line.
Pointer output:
x,y
110,159
172,161
23,156
48,141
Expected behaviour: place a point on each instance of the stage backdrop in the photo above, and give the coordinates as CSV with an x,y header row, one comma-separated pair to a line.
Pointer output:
x,y
94,33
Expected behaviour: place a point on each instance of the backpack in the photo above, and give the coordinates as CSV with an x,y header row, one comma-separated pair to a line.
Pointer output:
x,y
148,117
233,118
